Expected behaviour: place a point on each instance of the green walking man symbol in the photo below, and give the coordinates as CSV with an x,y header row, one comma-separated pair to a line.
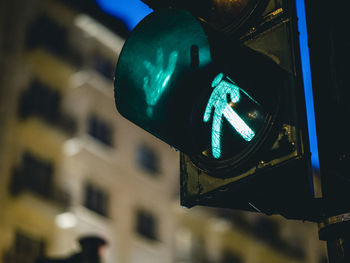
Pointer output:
x,y
218,102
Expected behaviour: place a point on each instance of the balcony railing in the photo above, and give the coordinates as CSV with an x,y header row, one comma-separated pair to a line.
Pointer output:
x,y
265,230
39,184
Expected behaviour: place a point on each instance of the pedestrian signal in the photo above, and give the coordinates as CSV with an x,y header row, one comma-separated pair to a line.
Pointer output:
x,y
233,106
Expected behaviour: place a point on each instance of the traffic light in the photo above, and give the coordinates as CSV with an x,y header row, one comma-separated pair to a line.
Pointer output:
x,y
233,104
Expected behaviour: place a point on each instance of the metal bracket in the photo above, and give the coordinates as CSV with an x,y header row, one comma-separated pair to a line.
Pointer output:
x,y
334,227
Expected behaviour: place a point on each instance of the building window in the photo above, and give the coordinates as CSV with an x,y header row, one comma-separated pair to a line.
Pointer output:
x,y
294,247
44,32
147,159
25,249
104,66
146,225
96,199
229,256
267,230
237,218
41,101
34,174
100,130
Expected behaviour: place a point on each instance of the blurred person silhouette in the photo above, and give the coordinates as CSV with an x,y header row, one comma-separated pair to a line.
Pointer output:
x,y
90,252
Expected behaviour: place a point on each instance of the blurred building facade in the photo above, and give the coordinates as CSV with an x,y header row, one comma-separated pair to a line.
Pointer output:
x,y
70,165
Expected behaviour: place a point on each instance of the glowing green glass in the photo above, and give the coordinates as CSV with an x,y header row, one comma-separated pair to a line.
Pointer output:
x,y
218,102
155,83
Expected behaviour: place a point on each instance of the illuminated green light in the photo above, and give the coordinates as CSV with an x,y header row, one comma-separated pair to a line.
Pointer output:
x,y
218,102
217,80
241,127
155,83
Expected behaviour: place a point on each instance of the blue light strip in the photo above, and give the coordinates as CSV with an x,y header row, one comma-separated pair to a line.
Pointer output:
x,y
131,12
306,71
